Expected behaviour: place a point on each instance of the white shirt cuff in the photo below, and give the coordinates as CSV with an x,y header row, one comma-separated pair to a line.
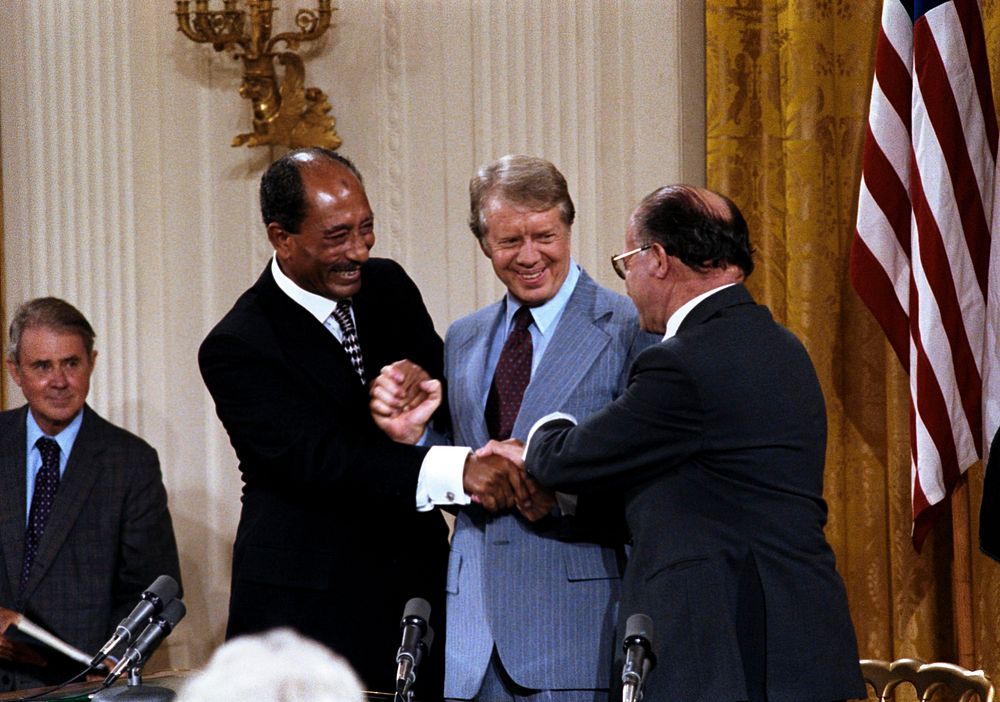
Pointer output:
x,y
440,480
544,420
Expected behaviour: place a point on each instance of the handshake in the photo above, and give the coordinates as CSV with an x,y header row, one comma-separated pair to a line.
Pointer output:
x,y
402,400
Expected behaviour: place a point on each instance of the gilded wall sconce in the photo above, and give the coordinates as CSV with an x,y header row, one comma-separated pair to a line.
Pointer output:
x,y
287,113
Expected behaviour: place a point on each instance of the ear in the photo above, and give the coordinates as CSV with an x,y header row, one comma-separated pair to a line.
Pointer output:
x,y
278,237
14,372
662,261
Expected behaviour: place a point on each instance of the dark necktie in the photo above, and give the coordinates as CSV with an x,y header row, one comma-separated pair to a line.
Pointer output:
x,y
511,378
342,313
46,484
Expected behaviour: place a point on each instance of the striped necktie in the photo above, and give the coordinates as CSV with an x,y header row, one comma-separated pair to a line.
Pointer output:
x,y
342,313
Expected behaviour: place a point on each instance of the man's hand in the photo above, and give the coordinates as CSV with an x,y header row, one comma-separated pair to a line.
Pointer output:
x,y
540,500
511,449
540,503
495,482
403,398
19,652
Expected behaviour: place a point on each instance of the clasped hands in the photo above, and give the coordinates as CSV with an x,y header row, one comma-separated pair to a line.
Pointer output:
x,y
402,400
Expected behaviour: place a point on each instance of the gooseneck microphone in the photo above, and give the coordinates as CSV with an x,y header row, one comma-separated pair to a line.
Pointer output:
x,y
414,625
148,641
163,590
639,657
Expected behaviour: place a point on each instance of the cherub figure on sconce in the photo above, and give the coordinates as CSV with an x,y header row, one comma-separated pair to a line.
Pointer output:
x,y
288,114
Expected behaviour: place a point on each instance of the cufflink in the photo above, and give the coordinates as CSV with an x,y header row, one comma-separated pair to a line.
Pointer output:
x,y
450,495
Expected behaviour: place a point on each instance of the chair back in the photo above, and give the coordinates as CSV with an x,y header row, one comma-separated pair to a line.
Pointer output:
x,y
927,679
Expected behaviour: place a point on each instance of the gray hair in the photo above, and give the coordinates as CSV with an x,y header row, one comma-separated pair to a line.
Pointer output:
x,y
528,181
50,313
276,666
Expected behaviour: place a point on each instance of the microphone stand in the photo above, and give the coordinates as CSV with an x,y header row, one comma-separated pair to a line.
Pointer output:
x,y
135,691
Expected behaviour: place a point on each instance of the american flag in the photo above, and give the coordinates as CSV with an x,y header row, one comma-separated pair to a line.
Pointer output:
x,y
921,259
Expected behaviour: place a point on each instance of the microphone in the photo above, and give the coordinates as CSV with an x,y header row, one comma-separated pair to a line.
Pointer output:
x,y
639,657
160,593
414,625
150,638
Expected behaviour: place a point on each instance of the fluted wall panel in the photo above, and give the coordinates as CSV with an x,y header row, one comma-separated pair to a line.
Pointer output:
x,y
70,219
122,194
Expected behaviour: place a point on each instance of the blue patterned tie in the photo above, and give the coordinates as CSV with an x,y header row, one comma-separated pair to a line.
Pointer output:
x,y
46,484
511,378
342,313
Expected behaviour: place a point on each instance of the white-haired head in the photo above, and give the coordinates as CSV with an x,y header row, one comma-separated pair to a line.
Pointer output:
x,y
277,666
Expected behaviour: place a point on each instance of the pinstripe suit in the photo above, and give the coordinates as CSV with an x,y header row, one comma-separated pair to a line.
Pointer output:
x,y
109,535
548,605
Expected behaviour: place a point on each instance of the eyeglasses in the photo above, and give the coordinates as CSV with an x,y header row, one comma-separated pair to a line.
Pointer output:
x,y
618,262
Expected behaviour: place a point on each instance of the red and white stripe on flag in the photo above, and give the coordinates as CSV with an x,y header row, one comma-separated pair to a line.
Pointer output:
x,y
923,256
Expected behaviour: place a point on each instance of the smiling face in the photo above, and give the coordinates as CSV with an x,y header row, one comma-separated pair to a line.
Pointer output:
x,y
53,371
325,256
529,250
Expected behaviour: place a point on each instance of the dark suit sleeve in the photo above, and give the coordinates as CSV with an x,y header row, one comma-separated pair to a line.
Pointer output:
x,y
293,435
404,329
146,545
654,425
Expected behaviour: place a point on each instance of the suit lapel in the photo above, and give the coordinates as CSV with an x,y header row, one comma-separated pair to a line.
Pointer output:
x,y
467,388
82,470
578,340
309,345
12,501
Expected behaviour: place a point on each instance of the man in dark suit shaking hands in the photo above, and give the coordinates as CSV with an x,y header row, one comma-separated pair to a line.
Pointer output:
x,y
718,442
84,526
330,540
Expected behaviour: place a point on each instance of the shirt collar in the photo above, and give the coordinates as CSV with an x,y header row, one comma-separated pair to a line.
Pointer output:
x,y
674,323
318,306
65,438
545,314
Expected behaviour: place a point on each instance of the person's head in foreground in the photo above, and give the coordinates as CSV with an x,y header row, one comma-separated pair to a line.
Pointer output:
x,y
276,666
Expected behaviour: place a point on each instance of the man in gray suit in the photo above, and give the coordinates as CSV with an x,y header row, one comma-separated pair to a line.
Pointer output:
x,y
84,526
530,614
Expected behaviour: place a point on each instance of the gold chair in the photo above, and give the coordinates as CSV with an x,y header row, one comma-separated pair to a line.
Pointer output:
x,y
927,679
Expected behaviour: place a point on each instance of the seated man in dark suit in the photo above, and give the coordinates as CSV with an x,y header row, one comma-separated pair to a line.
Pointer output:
x,y
718,442
84,526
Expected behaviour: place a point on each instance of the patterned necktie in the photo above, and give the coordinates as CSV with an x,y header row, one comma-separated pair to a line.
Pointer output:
x,y
511,378
342,313
46,484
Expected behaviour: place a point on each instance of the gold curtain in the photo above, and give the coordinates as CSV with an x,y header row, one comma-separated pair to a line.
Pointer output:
x,y
787,88
3,312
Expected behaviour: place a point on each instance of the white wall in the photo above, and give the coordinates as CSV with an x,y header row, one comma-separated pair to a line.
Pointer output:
x,y
122,194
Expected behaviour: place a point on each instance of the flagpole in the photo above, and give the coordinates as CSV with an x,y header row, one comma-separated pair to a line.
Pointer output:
x,y
961,574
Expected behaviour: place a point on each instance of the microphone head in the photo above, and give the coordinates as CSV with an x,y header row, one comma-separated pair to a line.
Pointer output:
x,y
416,608
173,613
639,625
163,590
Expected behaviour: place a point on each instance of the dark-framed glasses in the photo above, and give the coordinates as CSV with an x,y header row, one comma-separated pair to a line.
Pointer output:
x,y
618,262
